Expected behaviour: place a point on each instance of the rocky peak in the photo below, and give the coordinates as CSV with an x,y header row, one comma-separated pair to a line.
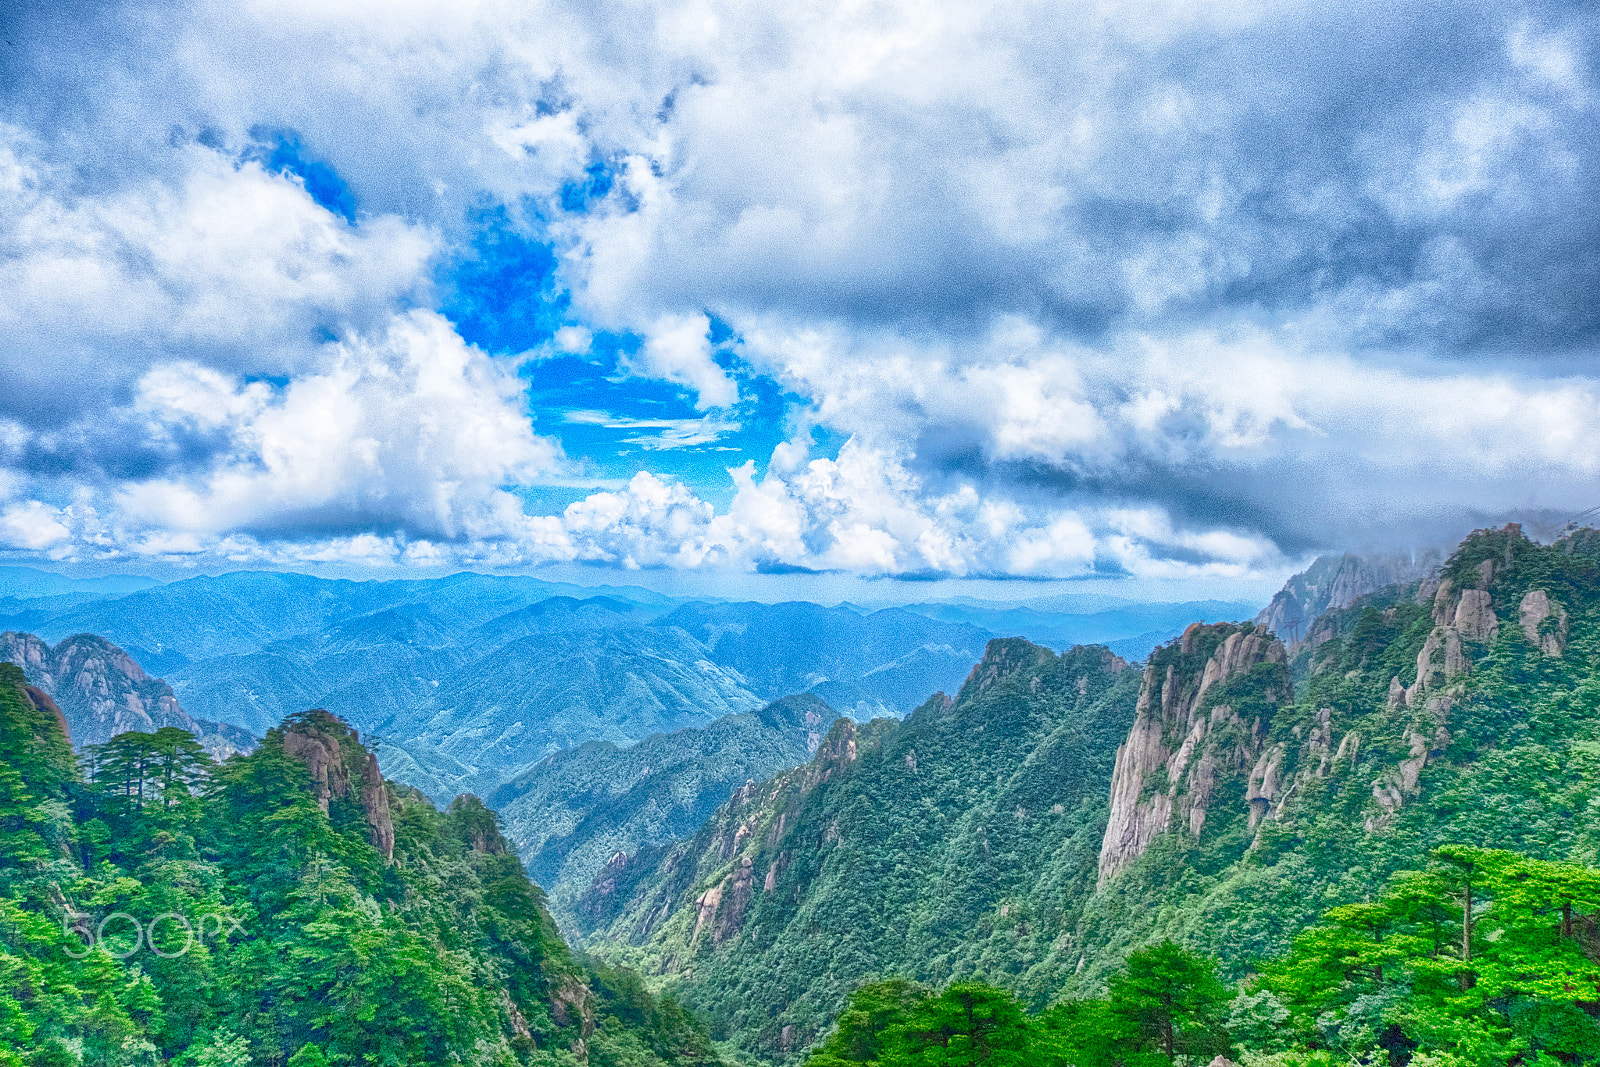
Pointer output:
x,y
1004,658
836,752
101,692
1333,582
1464,617
340,766
1186,733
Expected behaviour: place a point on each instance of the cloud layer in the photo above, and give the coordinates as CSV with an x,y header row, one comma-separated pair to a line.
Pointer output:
x,y
1048,291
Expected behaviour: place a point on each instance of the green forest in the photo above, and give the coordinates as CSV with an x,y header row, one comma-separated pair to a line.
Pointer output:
x,y
1481,957
1059,815
1378,847
285,908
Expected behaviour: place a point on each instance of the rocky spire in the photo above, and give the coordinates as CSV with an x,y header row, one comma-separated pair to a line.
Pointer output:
x,y
1186,734
340,766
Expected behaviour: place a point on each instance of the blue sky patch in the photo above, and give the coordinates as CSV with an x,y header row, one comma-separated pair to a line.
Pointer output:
x,y
502,294
284,154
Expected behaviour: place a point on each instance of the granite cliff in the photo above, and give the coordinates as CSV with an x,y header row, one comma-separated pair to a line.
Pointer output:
x,y
1205,705
1060,812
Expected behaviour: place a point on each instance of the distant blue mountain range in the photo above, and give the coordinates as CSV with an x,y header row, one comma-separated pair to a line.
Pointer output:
x,y
469,681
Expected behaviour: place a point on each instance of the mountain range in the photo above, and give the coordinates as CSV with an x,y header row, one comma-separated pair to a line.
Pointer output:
x,y
466,683
102,692
1063,810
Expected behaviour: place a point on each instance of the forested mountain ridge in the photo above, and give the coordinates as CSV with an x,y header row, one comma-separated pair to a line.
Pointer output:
x,y
467,681
287,907
926,846
1224,801
103,692
575,810
470,680
1461,708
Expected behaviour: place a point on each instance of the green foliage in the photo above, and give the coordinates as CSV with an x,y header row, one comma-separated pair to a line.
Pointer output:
x,y
161,909
1170,1003
940,853
968,1024
958,842
1487,957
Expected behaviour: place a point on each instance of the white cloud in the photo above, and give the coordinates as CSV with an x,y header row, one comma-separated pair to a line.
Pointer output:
x,y
1074,281
228,262
412,428
650,523
677,349
674,433
33,526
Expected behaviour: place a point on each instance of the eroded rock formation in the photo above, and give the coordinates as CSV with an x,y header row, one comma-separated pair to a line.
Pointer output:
x,y
1186,733
330,749
1544,622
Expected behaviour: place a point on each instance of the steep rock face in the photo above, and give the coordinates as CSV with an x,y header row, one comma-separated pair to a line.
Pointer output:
x,y
102,692
1544,622
1334,582
733,828
1493,575
1204,707
1464,620
375,804
340,767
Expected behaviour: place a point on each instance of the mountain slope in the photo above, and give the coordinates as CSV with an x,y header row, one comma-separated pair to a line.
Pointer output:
x,y
1129,629
291,907
925,847
575,810
102,692
1465,707
884,663
1224,800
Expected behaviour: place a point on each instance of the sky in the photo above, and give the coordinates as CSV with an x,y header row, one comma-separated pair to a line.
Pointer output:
x,y
1178,292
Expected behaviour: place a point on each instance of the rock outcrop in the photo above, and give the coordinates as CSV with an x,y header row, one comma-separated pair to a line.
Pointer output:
x,y
340,767
1460,616
101,692
1334,582
1544,622
1187,734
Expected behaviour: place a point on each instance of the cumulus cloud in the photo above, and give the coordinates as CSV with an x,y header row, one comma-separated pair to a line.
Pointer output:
x,y
677,348
865,512
32,525
1160,289
228,264
412,430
